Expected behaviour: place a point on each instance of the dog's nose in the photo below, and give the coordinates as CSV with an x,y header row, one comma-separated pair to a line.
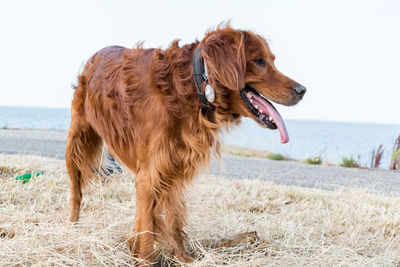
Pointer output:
x,y
299,89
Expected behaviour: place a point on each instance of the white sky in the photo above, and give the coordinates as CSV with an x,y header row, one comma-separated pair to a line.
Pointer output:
x,y
345,52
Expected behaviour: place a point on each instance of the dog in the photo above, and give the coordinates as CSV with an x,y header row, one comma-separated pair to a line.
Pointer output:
x,y
159,113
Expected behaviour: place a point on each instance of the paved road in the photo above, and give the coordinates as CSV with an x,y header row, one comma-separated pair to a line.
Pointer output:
x,y
51,143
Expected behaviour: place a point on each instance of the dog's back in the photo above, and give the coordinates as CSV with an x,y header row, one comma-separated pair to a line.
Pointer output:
x,y
103,105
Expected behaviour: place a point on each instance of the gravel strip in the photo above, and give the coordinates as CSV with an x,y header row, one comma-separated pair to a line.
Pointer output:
x,y
51,143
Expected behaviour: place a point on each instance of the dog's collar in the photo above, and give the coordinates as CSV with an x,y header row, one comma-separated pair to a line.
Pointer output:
x,y
200,75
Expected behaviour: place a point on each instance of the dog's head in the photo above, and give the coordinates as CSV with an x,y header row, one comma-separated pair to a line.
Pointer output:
x,y
242,72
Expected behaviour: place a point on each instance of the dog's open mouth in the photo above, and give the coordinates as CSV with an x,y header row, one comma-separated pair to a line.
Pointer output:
x,y
265,113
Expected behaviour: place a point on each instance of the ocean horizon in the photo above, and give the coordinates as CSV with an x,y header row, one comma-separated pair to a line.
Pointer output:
x,y
331,140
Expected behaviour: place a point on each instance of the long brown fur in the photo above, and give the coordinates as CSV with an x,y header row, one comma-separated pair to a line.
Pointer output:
x,y
142,104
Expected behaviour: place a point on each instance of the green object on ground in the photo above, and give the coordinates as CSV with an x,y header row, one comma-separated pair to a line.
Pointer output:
x,y
316,160
24,178
276,156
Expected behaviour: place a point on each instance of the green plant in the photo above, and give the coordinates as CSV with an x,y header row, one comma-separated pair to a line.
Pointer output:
x,y
5,127
349,162
240,154
395,162
315,160
275,156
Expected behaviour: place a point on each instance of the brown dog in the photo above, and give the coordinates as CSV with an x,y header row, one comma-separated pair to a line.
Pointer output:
x,y
159,113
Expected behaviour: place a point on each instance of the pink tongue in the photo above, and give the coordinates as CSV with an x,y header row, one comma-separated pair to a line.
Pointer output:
x,y
272,112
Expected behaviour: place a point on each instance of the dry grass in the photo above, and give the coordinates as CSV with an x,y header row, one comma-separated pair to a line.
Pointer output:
x,y
244,151
297,226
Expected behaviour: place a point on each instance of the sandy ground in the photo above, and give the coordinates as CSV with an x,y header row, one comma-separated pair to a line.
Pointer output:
x,y
51,143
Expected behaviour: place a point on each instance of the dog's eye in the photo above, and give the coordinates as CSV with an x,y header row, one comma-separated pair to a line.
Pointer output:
x,y
260,62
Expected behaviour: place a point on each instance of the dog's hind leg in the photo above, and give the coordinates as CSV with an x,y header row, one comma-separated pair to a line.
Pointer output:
x,y
81,156
83,150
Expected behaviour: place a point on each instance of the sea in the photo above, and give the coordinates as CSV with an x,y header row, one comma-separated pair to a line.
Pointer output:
x,y
330,140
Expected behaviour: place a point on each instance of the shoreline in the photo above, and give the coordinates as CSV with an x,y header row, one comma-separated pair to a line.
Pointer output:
x,y
239,151
51,144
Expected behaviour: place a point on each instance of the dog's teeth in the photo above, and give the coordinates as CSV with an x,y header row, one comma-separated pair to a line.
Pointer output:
x,y
270,119
256,106
249,95
251,101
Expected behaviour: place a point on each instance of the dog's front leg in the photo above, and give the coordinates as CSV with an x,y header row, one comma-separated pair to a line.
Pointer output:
x,y
171,205
142,240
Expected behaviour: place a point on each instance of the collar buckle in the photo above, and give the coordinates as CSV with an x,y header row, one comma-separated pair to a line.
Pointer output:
x,y
201,75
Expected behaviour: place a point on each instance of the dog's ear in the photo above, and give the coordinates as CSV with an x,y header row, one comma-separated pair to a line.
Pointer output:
x,y
223,52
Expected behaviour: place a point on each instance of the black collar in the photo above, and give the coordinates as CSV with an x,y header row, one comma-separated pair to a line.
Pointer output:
x,y
200,76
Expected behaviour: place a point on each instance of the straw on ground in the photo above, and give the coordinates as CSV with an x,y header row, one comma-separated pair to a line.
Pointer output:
x,y
297,226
